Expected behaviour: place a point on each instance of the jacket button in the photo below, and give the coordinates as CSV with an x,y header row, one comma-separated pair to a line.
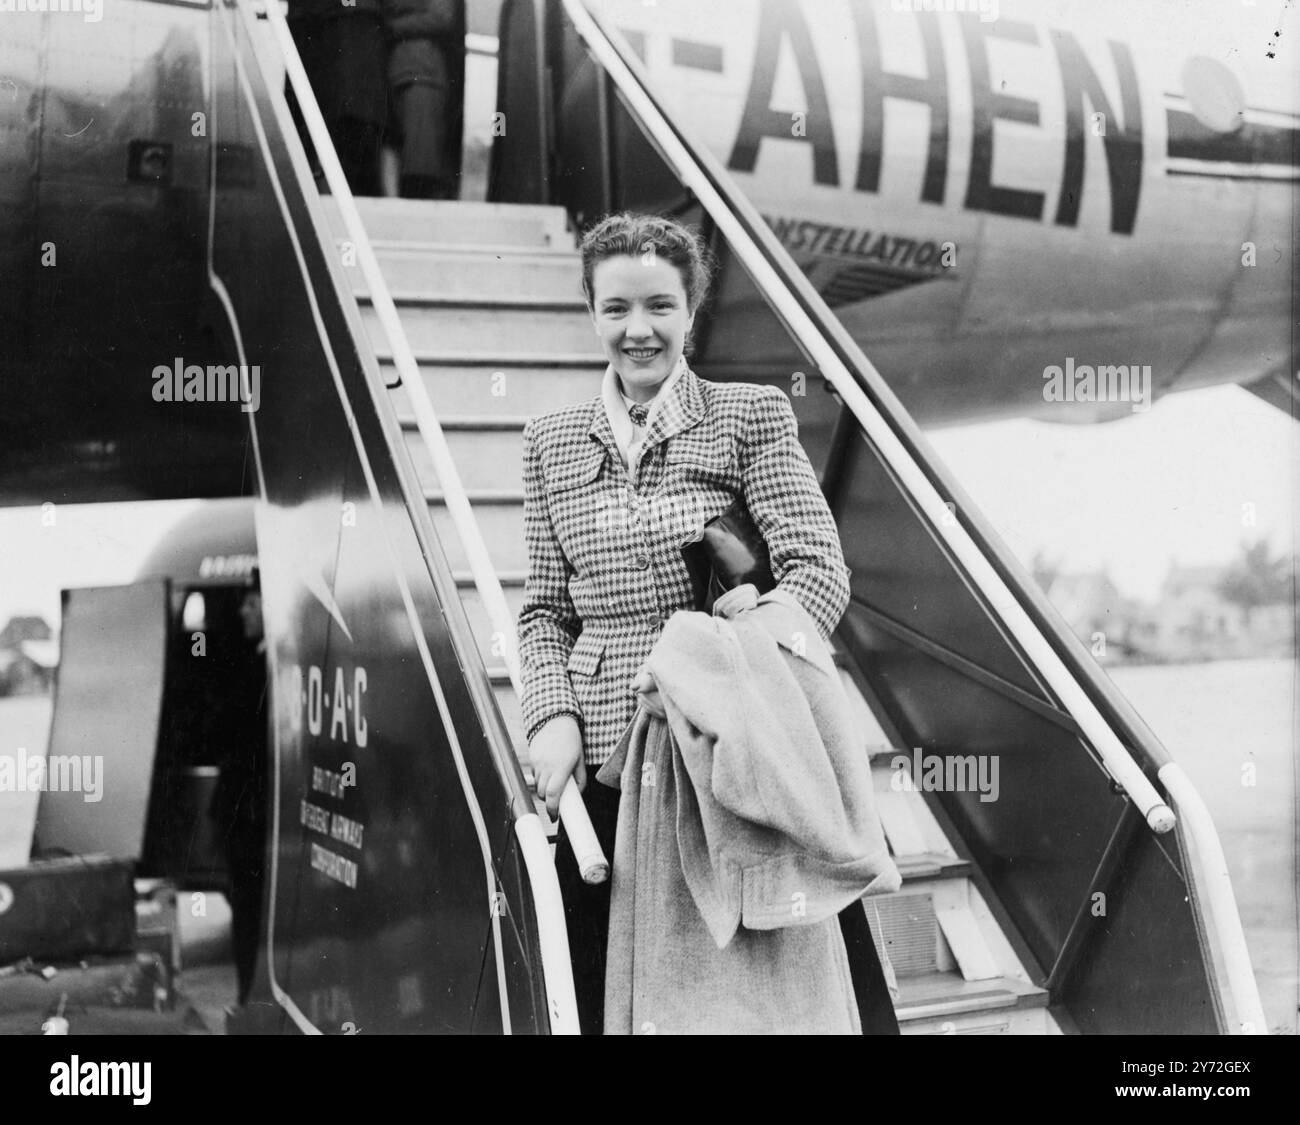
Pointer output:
x,y
640,562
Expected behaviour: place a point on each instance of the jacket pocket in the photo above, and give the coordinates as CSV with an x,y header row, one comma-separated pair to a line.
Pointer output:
x,y
713,455
562,476
704,466
586,654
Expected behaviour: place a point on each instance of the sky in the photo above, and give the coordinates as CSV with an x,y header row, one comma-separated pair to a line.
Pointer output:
x,y
1129,496
1182,482
86,545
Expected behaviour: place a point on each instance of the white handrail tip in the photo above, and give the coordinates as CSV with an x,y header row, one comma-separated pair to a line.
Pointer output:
x,y
595,873
1161,819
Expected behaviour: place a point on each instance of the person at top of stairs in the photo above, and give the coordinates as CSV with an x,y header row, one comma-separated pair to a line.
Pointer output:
x,y
423,36
343,51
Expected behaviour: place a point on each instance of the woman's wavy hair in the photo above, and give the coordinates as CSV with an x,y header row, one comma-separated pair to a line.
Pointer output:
x,y
637,235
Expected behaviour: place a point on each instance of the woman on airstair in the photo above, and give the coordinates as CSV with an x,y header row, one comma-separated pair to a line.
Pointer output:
x,y
614,486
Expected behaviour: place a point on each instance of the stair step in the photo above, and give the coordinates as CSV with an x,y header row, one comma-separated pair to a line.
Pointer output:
x,y
508,578
460,223
437,330
501,389
470,422
382,246
478,617
501,303
863,720
926,866
910,826
501,523
498,358
944,1003
486,459
448,272
481,496
508,702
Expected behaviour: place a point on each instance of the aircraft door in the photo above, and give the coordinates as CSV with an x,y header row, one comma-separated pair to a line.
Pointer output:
x,y
104,732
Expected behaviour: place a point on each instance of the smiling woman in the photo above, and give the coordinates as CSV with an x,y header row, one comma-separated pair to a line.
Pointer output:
x,y
614,487
651,276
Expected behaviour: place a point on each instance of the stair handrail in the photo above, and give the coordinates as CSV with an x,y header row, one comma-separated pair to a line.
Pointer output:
x,y
701,173
552,931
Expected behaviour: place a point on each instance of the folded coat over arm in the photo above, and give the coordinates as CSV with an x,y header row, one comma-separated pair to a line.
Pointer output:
x,y
747,823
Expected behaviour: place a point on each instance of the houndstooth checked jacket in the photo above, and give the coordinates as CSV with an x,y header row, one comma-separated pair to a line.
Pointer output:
x,y
605,570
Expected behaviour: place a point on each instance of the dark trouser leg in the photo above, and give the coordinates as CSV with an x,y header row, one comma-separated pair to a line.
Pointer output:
x,y
422,109
358,145
345,63
875,1007
586,909
247,869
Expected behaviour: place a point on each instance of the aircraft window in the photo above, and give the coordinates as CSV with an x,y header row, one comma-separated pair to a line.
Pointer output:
x,y
194,615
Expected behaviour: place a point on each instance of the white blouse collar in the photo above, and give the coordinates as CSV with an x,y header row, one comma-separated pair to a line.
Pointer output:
x,y
627,435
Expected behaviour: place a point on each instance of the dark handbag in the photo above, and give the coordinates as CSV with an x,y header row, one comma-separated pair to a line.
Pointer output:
x,y
729,553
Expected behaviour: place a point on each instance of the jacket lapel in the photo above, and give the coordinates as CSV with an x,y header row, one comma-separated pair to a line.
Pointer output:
x,y
601,431
681,410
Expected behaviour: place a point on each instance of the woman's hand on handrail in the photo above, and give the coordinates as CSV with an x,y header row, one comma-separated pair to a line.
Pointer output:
x,y
555,754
